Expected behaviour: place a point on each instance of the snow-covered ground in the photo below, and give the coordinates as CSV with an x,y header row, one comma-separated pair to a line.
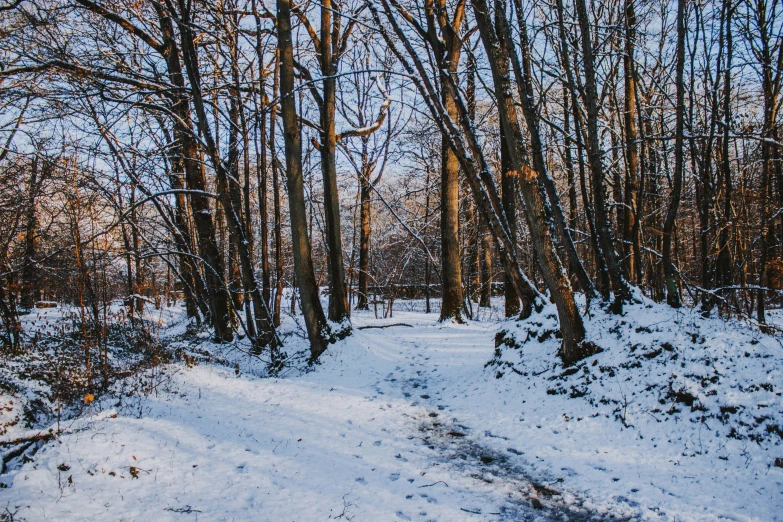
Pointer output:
x,y
431,422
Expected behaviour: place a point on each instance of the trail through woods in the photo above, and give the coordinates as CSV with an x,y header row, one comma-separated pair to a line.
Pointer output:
x,y
377,439
411,423
194,196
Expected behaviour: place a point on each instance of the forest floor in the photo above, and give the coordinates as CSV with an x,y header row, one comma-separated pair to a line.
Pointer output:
x,y
429,421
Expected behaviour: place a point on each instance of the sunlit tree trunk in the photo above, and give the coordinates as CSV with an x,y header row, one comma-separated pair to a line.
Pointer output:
x,y
315,320
571,326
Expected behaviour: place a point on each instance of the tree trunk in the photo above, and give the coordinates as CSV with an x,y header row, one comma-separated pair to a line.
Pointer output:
x,y
276,168
138,283
672,292
262,164
570,85
486,265
724,270
365,233
622,292
468,150
771,79
234,275
86,288
523,74
631,231
427,267
229,191
338,294
30,287
571,327
315,320
508,193
473,225
573,205
451,272
196,295
13,327
199,203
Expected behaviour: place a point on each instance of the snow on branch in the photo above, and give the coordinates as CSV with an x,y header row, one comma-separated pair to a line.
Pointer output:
x,y
369,129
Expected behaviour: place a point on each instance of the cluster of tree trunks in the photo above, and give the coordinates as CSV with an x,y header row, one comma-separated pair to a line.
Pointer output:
x,y
211,88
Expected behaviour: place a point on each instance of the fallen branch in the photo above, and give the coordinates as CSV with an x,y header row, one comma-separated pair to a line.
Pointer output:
x,y
11,455
186,509
27,438
383,326
52,432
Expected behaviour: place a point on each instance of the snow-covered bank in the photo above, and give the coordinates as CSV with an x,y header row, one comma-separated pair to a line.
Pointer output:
x,y
412,423
46,380
680,415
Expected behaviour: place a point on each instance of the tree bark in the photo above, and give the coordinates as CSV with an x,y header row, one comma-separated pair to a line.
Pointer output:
x,y
622,292
194,177
523,74
365,233
571,87
315,320
631,231
571,326
30,287
278,226
229,191
338,294
466,146
508,193
772,77
262,164
724,270
451,271
486,266
672,292
234,276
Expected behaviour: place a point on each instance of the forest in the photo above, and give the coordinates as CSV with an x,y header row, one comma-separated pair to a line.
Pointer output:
x,y
261,259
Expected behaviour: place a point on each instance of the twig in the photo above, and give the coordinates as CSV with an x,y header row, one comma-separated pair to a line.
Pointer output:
x,y
186,509
438,482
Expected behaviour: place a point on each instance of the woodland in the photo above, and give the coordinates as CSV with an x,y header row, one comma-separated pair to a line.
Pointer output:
x,y
278,190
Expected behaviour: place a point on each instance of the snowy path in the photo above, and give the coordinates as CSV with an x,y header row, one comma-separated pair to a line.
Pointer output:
x,y
370,436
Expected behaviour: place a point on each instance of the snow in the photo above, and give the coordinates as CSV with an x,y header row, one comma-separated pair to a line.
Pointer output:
x,y
680,416
431,422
